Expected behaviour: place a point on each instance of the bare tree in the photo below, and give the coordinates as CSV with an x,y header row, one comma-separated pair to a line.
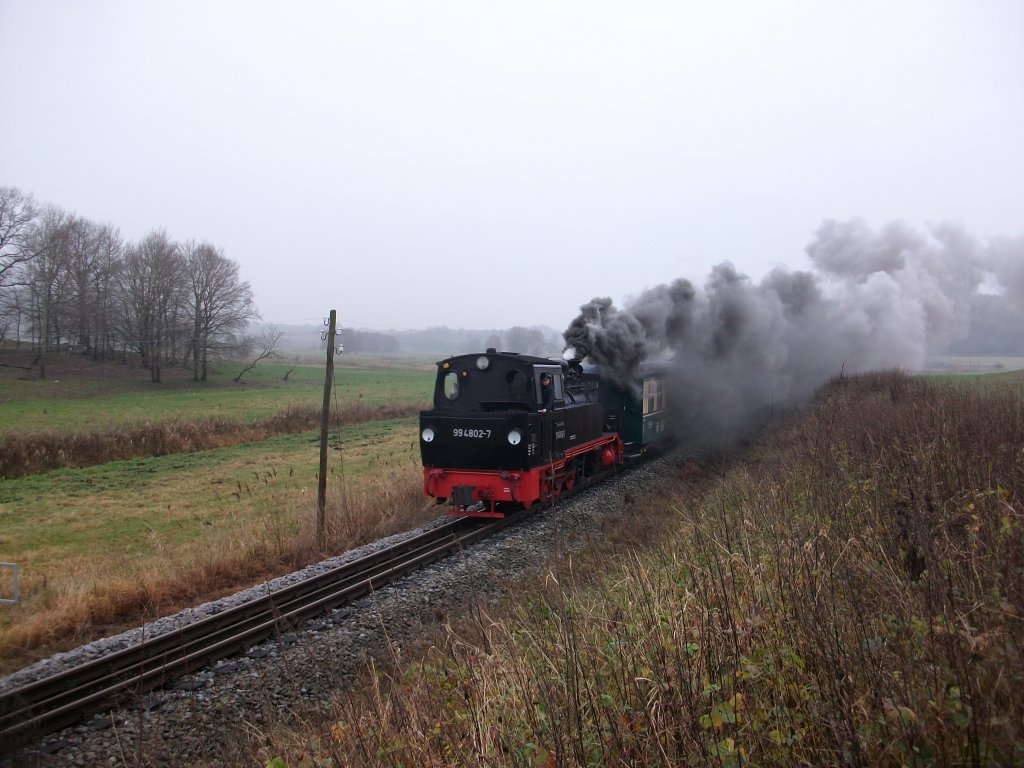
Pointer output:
x,y
221,304
105,276
82,312
15,312
65,263
65,279
93,261
77,311
17,212
49,245
265,346
151,282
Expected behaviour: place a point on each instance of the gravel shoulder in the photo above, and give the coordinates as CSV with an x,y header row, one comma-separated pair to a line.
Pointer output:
x,y
297,674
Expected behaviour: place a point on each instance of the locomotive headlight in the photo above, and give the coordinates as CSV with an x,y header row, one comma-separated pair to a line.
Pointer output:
x,y
515,437
427,434
483,362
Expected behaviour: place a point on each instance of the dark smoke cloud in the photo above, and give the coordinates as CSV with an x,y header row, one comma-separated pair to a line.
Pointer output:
x,y
874,300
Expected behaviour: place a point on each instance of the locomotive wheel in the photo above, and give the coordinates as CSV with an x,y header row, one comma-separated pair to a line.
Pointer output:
x,y
570,476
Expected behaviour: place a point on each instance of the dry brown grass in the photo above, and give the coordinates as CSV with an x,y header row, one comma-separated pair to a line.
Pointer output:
x,y
851,594
86,605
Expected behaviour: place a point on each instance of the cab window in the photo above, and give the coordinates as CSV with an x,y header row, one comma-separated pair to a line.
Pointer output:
x,y
556,383
451,385
518,386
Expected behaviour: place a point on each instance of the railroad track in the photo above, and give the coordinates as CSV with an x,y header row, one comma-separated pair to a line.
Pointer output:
x,y
43,706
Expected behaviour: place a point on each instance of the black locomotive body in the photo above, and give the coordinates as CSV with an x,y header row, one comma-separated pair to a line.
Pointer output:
x,y
496,437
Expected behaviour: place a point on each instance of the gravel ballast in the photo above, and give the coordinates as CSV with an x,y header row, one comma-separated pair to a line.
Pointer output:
x,y
190,722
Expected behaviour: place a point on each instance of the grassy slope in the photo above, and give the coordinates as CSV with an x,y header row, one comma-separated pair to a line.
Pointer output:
x,y
850,593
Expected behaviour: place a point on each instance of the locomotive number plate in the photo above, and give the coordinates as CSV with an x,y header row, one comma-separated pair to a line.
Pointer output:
x,y
478,433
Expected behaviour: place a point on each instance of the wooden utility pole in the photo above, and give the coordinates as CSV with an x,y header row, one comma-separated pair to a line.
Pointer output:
x,y
321,498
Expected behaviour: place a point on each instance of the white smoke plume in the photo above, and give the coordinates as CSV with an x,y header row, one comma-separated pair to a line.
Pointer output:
x,y
875,300
1007,263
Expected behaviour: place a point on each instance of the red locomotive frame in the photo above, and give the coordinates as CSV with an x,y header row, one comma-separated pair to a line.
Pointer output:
x,y
488,487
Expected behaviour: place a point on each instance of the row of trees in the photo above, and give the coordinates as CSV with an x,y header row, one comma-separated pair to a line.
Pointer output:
x,y
66,281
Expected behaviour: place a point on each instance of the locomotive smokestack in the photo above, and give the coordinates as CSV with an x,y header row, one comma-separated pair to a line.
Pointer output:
x,y
609,337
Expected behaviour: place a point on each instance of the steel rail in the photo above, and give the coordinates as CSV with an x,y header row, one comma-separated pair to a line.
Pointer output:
x,y
45,705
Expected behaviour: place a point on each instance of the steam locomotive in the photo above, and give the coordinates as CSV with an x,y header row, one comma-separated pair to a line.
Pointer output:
x,y
510,430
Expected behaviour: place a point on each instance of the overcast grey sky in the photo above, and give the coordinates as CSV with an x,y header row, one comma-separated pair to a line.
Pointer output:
x,y
489,164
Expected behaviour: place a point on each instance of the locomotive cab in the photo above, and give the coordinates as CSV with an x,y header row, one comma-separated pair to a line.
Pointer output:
x,y
490,440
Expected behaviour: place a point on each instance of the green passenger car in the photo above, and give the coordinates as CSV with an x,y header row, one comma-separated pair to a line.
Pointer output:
x,y
638,412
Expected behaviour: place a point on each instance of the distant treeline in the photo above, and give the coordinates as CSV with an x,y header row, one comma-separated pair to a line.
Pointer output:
x,y
66,281
437,340
995,329
368,341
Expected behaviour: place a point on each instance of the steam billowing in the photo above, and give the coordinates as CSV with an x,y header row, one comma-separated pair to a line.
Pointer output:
x,y
876,299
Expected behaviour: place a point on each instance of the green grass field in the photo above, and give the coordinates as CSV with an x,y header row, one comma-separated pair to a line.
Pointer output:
x,y
95,402
996,378
975,363
132,509
95,543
